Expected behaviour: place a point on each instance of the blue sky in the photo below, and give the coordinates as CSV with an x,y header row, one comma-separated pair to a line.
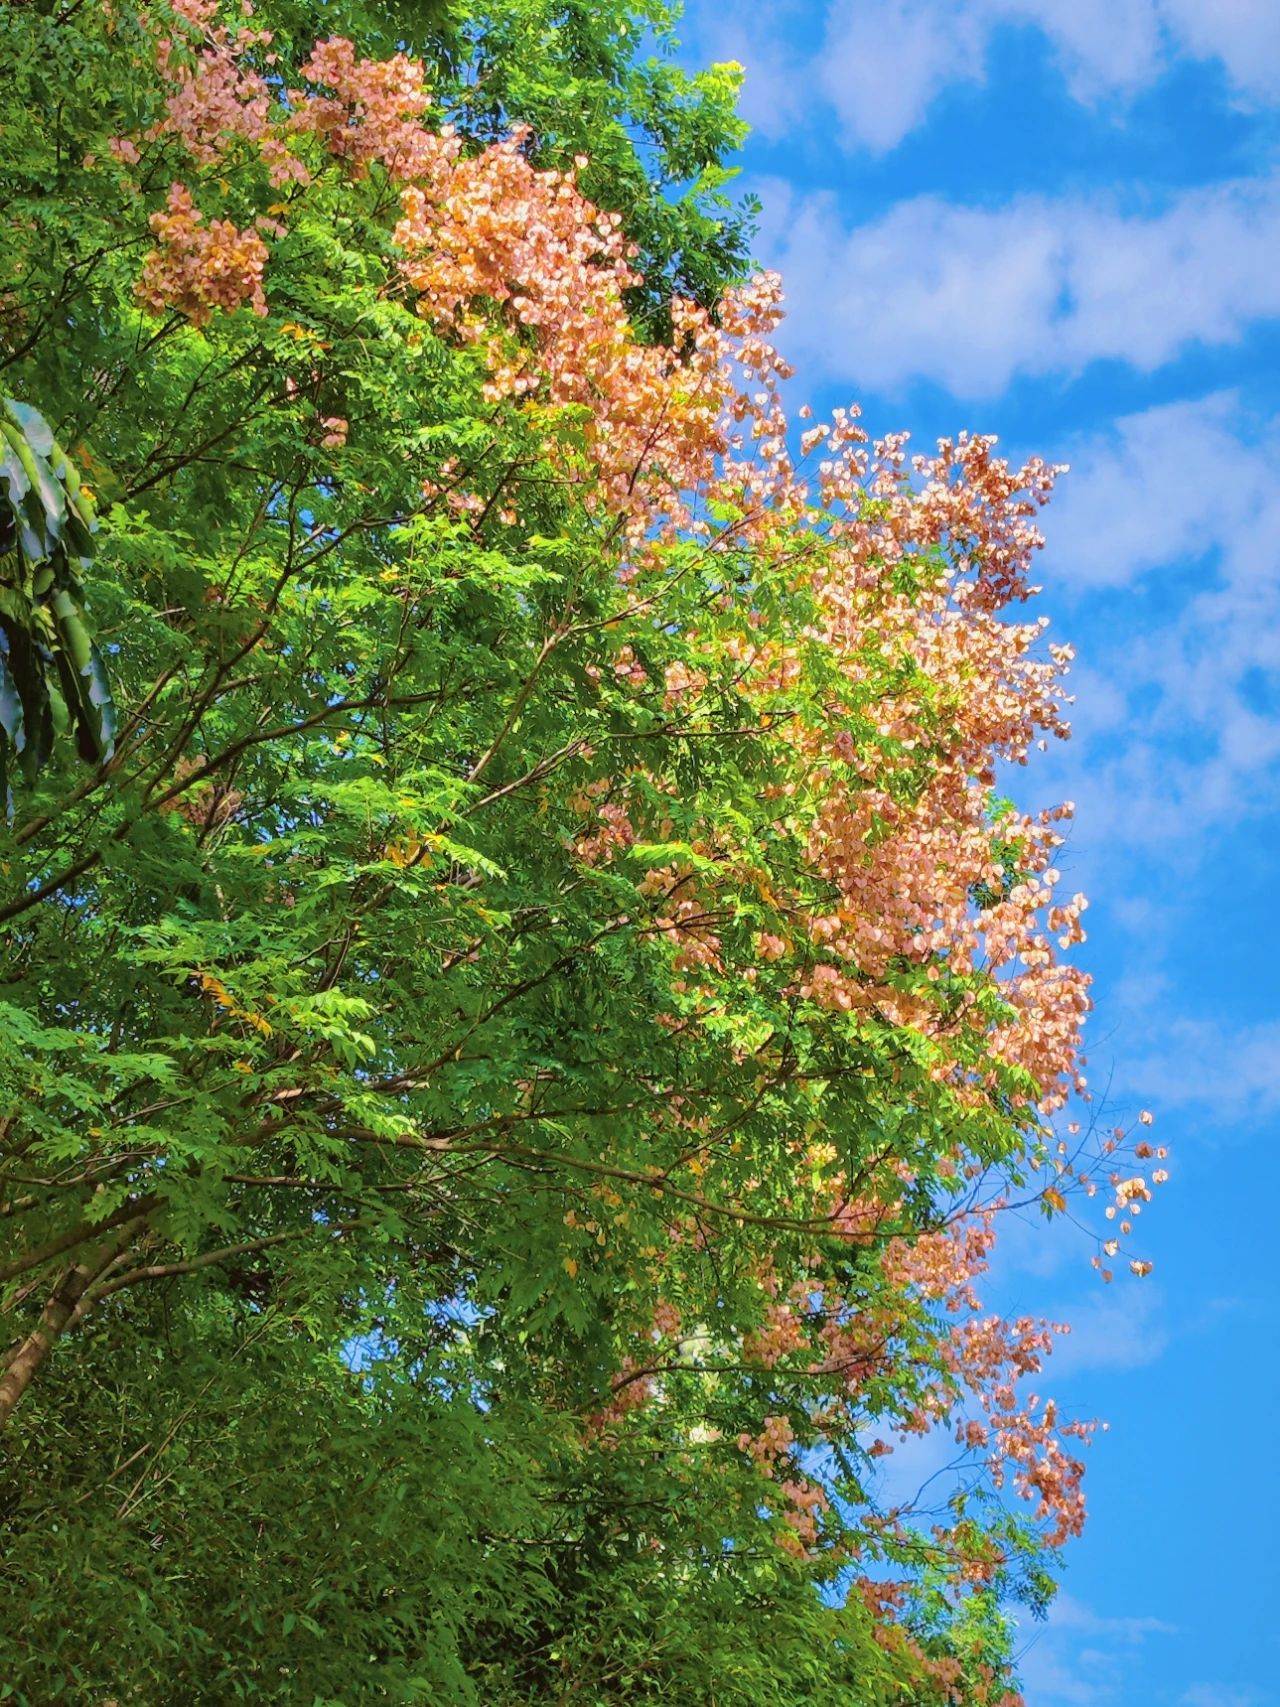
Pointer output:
x,y
1059,221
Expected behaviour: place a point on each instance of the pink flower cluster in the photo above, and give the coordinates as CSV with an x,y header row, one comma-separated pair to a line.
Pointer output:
x,y
201,266
374,111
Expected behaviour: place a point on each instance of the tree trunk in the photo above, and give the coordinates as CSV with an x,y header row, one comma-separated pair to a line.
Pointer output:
x,y
61,1307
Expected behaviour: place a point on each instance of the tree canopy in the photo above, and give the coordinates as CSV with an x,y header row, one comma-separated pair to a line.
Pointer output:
x,y
522,1002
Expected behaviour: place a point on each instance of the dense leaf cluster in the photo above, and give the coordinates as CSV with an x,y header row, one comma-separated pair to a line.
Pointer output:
x,y
362,1124
52,675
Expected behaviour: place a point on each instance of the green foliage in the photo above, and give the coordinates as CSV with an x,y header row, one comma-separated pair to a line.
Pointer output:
x,y
656,135
383,1108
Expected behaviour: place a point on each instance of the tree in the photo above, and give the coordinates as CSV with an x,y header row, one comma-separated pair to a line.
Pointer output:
x,y
513,1058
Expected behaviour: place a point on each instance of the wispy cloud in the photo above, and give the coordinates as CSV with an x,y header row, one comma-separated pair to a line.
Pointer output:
x,y
1124,1329
1232,1070
884,62
971,297
1077,1656
1068,1613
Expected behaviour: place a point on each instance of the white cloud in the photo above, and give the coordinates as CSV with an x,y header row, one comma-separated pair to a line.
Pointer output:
x,y
1177,735
884,62
883,65
969,297
1076,1657
1174,481
1243,34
